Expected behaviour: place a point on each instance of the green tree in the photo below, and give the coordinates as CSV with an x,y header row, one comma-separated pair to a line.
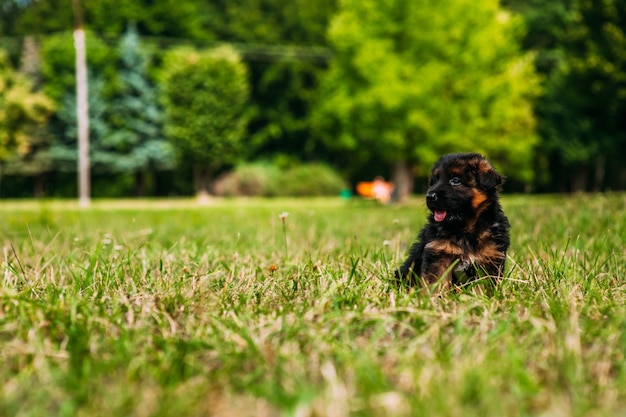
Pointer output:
x,y
593,92
58,152
582,112
205,96
285,48
59,64
282,43
22,111
580,52
136,119
33,161
171,18
63,150
413,79
10,10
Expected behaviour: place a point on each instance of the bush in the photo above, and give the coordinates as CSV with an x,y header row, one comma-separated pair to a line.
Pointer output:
x,y
311,180
261,179
255,179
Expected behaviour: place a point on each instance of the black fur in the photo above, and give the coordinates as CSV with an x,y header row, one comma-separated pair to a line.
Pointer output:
x,y
467,233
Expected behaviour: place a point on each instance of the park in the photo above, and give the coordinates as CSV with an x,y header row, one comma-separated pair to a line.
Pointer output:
x,y
233,257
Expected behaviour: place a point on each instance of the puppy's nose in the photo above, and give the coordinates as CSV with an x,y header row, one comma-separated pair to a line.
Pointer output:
x,y
431,197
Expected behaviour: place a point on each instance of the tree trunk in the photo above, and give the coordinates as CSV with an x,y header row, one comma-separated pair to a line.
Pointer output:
x,y
600,171
403,181
578,181
621,178
140,183
202,181
40,180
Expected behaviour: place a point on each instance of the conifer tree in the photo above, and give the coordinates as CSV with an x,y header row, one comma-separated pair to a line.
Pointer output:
x,y
136,119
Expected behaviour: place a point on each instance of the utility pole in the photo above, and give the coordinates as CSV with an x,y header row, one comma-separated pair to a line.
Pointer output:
x,y
82,109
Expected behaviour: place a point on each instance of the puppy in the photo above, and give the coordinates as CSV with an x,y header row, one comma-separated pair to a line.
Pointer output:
x,y
467,234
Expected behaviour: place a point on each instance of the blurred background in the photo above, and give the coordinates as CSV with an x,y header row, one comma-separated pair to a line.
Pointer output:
x,y
301,97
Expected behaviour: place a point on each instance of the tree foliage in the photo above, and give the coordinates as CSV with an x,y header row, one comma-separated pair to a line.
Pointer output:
x,y
135,117
173,18
580,51
583,109
284,47
63,149
414,79
205,96
22,110
59,63
409,80
126,134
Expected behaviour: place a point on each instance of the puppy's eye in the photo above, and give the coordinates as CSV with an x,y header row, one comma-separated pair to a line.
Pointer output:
x,y
455,181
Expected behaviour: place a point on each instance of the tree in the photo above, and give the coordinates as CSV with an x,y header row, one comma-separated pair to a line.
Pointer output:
x,y
63,150
9,10
136,119
414,79
22,112
58,64
283,45
171,18
126,132
32,161
594,88
205,96
285,49
580,52
56,148
581,112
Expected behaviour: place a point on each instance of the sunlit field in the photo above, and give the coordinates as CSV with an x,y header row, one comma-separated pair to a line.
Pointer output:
x,y
159,308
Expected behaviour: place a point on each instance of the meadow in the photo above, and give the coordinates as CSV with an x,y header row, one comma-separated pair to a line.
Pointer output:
x,y
159,308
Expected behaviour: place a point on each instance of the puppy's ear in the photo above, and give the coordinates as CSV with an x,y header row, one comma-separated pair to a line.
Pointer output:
x,y
488,177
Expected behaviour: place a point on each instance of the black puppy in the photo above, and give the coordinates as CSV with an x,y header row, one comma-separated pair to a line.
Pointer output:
x,y
467,234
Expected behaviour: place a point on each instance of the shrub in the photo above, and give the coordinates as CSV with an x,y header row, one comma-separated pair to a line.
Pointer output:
x,y
311,180
262,179
256,179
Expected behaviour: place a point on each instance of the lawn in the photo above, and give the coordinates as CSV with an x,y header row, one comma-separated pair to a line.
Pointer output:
x,y
159,308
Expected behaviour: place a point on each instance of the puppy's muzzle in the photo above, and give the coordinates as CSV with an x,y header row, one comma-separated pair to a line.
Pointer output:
x,y
431,197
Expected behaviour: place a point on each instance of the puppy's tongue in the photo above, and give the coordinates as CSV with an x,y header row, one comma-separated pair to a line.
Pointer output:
x,y
439,215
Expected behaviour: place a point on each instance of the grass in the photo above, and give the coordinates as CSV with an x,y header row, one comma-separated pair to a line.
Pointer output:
x,y
162,308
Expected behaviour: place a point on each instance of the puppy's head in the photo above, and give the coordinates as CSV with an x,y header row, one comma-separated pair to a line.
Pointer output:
x,y
461,187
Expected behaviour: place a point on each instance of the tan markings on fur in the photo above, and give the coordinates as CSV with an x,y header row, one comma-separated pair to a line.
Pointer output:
x,y
478,198
487,254
485,235
484,166
447,252
456,171
444,246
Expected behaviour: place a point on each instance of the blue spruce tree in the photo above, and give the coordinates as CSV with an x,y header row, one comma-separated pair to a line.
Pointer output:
x,y
135,118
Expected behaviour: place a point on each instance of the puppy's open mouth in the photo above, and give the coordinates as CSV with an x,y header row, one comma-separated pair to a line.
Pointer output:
x,y
439,215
